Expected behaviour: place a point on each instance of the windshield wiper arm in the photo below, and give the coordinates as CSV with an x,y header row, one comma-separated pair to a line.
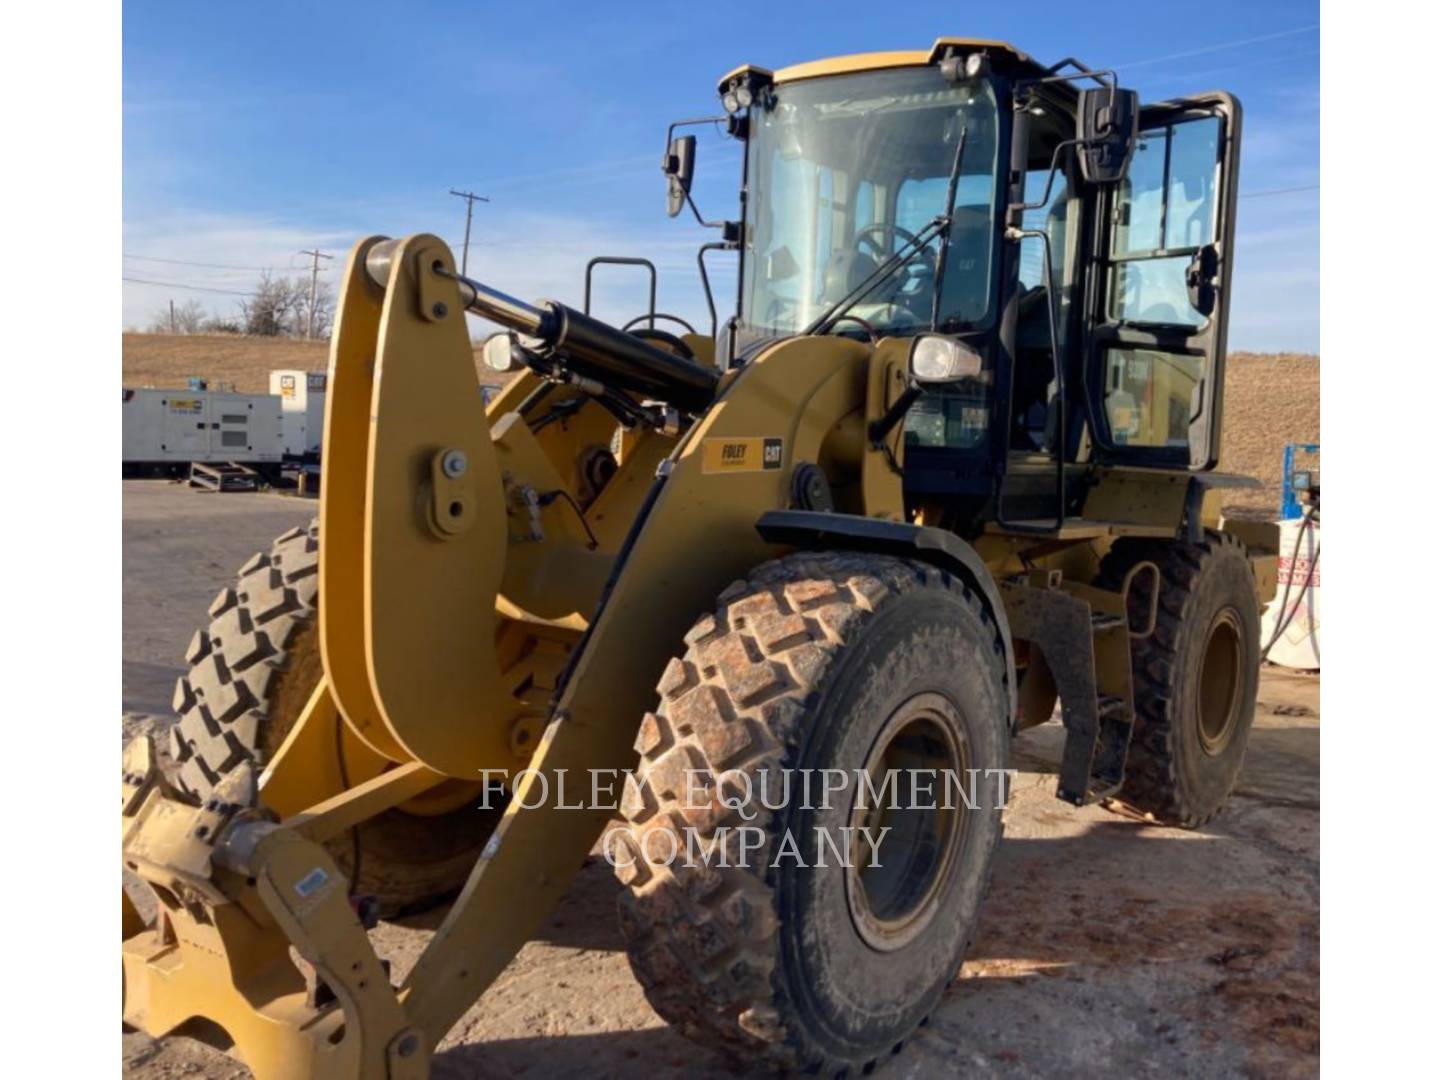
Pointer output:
x,y
907,251
949,218
940,226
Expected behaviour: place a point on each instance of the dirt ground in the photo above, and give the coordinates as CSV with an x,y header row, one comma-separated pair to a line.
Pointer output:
x,y
1107,946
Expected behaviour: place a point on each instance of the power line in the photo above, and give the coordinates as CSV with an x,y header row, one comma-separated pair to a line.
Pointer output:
x,y
187,262
1221,47
1278,191
182,285
206,265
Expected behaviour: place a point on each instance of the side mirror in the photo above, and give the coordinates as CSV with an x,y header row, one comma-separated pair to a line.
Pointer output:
x,y
936,359
1107,123
1200,279
679,169
498,351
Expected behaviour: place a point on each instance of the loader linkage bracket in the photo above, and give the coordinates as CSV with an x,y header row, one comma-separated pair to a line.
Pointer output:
x,y
234,891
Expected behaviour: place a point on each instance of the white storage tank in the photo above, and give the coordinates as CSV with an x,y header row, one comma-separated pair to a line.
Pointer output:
x,y
1296,607
302,404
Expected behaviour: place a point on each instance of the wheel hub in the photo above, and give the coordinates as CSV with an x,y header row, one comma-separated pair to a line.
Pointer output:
x,y
893,900
1220,677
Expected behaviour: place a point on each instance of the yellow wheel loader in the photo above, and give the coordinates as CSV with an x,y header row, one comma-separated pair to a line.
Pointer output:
x,y
770,601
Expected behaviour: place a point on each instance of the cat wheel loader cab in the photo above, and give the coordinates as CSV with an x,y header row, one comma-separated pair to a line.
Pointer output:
x,y
948,463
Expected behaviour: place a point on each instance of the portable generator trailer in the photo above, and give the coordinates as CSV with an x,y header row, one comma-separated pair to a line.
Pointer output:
x,y
910,507
168,430
224,441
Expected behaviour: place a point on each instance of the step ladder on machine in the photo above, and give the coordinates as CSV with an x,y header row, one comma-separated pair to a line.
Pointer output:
x,y
1084,634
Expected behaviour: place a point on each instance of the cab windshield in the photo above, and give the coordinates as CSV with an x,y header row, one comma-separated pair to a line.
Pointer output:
x,y
843,171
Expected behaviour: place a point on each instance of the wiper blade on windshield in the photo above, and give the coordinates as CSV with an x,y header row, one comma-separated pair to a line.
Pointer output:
x,y
940,226
949,217
907,251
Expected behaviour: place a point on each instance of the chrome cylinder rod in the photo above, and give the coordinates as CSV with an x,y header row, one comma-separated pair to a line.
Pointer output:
x,y
589,346
478,299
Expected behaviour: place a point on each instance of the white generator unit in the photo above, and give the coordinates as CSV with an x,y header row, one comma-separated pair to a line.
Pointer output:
x,y
302,404
177,427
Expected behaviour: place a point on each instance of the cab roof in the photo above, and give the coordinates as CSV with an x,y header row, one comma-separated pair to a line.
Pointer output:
x,y
875,61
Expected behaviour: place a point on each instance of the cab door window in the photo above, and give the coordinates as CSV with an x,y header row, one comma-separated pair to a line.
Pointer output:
x,y
1164,222
1165,214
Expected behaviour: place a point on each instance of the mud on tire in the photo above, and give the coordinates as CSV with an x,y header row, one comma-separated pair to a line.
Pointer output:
x,y
798,668
1196,676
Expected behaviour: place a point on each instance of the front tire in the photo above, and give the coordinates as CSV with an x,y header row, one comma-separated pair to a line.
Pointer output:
x,y
828,661
251,673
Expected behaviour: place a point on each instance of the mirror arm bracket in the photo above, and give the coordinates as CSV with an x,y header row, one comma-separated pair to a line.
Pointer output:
x,y
881,427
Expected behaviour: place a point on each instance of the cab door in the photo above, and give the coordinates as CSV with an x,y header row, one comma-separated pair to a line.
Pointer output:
x,y
1158,288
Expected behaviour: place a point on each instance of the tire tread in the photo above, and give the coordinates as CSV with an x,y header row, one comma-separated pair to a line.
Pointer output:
x,y
1152,782
703,942
221,701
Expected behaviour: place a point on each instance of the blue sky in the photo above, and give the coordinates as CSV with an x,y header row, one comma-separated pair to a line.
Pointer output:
x,y
253,131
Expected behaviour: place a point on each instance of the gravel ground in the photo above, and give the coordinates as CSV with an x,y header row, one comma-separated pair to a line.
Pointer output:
x,y
1108,946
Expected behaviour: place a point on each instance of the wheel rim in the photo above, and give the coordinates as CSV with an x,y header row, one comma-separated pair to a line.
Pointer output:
x,y
1219,689
892,902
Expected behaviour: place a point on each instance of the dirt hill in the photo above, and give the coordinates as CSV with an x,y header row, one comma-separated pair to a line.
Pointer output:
x,y
163,360
1270,398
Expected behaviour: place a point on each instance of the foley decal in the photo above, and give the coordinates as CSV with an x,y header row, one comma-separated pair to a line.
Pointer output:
x,y
741,455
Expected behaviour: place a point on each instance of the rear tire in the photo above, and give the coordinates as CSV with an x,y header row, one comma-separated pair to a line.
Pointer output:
x,y
816,661
1196,677
252,671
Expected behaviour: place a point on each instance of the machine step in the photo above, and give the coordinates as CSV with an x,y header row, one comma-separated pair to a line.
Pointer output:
x,y
1088,654
1100,620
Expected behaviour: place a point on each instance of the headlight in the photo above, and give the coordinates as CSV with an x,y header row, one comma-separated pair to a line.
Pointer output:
x,y
935,358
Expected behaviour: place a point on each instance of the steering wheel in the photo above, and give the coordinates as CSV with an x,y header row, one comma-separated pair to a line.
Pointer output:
x,y
657,316
885,245
663,337
865,325
880,239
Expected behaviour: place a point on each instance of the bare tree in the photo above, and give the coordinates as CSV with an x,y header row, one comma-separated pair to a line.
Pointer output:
x,y
273,308
324,314
188,318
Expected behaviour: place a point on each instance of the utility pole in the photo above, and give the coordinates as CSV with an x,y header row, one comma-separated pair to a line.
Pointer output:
x,y
315,257
172,316
470,200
